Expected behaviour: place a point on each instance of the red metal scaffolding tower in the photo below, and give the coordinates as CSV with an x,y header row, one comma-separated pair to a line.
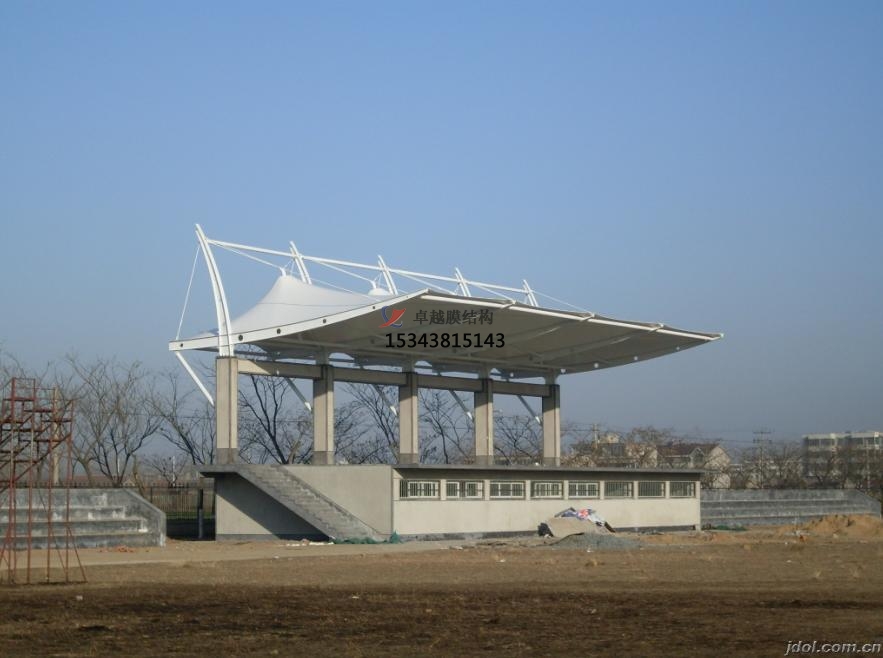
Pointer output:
x,y
36,469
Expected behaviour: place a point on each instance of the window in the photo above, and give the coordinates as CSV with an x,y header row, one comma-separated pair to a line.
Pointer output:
x,y
651,489
682,489
507,489
619,489
583,489
546,489
418,489
465,489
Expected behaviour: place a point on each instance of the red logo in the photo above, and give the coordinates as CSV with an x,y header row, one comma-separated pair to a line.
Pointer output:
x,y
394,320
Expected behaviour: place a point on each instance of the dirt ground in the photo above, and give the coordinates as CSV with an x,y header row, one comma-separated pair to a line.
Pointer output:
x,y
681,594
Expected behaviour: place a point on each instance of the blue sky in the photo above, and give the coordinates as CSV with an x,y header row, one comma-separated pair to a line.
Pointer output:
x,y
715,166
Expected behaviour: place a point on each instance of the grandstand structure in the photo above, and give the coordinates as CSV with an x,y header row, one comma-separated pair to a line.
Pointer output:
x,y
412,330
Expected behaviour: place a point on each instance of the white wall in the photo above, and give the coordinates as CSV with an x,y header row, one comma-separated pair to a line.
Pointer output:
x,y
428,516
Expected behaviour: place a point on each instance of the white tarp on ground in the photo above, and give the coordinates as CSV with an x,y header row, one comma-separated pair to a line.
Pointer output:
x,y
575,522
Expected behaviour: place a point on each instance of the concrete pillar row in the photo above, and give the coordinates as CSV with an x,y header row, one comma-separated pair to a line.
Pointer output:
x,y
484,423
552,426
323,417
409,421
226,409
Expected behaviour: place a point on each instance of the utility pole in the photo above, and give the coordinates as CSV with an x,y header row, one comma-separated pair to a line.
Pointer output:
x,y
761,441
867,465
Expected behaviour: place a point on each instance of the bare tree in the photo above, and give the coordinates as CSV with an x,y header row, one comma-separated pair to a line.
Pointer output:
x,y
380,433
271,427
274,427
445,428
826,469
518,439
115,415
785,466
188,421
171,469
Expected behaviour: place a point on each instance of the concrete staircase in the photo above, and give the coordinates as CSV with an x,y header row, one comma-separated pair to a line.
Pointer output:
x,y
293,493
781,506
98,518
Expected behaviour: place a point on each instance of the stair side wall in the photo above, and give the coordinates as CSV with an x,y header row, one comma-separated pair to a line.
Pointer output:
x,y
363,491
245,512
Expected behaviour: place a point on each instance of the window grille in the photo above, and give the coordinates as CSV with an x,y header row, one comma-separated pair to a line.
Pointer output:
x,y
651,489
582,489
547,490
682,489
418,489
507,489
465,489
619,489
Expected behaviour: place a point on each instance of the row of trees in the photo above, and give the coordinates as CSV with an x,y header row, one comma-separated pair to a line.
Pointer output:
x,y
132,423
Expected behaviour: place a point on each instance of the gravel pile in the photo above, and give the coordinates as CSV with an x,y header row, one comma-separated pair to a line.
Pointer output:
x,y
596,541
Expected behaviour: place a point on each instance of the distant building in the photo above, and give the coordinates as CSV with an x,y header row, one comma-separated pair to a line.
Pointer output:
x,y
710,457
613,450
842,458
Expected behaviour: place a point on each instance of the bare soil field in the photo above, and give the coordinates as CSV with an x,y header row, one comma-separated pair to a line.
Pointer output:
x,y
683,594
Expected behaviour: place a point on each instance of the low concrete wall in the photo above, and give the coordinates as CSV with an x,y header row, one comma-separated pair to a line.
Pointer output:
x,y
781,506
98,517
478,517
153,517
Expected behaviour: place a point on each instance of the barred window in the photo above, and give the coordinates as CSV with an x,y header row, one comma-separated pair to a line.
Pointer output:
x,y
507,489
418,489
651,489
465,489
583,489
619,489
546,489
682,489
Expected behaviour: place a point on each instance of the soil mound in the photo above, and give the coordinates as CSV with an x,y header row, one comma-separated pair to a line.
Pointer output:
x,y
596,541
859,526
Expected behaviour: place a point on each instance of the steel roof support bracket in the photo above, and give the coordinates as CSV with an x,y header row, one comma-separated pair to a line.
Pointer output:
x,y
225,329
196,380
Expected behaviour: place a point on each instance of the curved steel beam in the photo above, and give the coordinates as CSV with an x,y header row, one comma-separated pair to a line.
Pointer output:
x,y
225,327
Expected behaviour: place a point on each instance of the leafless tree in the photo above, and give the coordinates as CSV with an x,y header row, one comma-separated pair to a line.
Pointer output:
x,y
445,427
272,426
518,439
275,426
826,469
379,438
785,466
188,420
115,416
171,469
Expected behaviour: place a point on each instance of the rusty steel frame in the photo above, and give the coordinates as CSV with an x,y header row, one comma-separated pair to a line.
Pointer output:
x,y
36,440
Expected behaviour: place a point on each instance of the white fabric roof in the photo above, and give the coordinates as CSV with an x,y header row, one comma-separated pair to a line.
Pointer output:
x,y
303,321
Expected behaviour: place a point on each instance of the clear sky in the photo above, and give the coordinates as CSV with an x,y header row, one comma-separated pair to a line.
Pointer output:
x,y
715,166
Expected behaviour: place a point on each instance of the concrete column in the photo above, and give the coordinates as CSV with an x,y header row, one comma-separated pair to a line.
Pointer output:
x,y
552,426
323,417
484,423
226,409
409,421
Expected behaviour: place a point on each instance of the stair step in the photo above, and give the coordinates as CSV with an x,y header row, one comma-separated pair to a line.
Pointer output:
x,y
304,501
